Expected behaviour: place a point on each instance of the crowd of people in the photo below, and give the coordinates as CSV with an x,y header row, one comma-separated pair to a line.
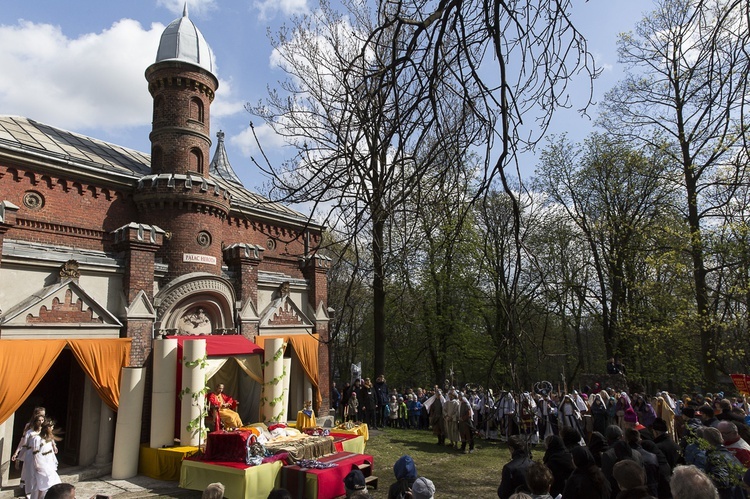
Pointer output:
x,y
604,444
599,442
36,455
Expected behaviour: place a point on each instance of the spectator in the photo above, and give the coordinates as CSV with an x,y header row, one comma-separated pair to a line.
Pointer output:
x,y
734,443
688,482
406,474
631,479
559,461
539,480
587,481
213,491
513,477
353,482
61,491
422,488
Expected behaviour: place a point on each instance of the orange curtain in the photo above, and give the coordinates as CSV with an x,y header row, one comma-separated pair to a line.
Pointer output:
x,y
102,360
23,363
306,347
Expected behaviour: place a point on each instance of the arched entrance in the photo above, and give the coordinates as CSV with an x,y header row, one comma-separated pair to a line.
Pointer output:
x,y
196,304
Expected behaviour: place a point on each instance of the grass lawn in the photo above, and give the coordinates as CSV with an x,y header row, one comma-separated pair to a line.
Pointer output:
x,y
475,475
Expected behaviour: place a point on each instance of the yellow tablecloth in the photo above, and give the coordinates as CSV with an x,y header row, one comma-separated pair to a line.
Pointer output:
x,y
249,483
305,421
360,429
163,463
355,445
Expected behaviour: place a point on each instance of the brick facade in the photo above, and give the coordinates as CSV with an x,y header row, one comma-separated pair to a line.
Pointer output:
x,y
160,238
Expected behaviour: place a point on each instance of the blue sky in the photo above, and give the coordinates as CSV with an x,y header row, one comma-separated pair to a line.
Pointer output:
x,y
80,65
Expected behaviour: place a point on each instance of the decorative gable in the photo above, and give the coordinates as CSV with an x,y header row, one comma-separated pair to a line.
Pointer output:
x,y
282,312
62,309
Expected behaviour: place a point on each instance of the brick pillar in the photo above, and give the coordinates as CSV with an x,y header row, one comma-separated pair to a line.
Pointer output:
x,y
139,242
315,269
243,259
8,213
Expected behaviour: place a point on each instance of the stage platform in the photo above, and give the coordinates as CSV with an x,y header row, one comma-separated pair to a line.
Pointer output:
x,y
240,481
163,463
327,483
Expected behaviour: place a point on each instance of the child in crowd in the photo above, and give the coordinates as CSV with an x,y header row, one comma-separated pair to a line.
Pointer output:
x,y
353,405
393,416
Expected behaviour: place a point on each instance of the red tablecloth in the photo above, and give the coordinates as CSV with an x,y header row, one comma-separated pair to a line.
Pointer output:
x,y
329,482
227,446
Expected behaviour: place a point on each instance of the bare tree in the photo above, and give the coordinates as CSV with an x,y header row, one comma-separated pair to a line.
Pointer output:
x,y
687,94
368,93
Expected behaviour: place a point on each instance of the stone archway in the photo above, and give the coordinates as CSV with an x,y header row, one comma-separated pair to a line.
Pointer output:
x,y
196,303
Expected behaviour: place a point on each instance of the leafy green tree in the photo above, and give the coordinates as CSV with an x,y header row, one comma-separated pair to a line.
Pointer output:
x,y
686,94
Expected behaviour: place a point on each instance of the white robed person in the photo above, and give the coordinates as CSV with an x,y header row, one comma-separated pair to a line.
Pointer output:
x,y
45,460
450,413
568,415
506,411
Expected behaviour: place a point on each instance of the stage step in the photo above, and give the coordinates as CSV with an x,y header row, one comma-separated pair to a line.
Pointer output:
x,y
371,482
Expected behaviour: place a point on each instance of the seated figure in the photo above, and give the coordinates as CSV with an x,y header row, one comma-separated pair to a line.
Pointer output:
x,y
223,409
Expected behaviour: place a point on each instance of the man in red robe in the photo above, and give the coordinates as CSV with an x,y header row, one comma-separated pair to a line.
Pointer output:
x,y
223,408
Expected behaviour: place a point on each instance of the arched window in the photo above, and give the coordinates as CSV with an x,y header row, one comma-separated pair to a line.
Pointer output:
x,y
196,109
196,161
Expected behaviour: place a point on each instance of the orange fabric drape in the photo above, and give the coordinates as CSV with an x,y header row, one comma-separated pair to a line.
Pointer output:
x,y
23,363
306,347
103,361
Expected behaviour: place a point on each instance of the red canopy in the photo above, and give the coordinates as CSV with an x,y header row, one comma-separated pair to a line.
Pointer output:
x,y
220,345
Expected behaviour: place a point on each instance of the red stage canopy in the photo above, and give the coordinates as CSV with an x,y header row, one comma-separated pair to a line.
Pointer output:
x,y
220,345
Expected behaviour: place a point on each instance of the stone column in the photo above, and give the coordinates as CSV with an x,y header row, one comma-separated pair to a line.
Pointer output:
x,y
106,435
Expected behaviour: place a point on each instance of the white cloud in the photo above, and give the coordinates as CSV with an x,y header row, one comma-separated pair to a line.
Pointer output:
x,y
269,140
225,103
269,8
95,80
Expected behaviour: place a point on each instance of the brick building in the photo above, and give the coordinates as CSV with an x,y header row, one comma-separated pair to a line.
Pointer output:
x,y
116,247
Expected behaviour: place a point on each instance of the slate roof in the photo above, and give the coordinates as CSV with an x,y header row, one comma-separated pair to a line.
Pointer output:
x,y
79,151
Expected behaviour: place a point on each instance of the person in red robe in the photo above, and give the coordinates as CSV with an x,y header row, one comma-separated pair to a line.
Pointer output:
x,y
223,408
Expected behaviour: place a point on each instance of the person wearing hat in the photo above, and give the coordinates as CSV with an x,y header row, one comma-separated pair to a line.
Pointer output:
x,y
422,488
406,474
354,482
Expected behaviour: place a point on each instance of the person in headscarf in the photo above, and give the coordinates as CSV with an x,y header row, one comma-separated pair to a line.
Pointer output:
x,y
599,413
528,419
644,410
450,412
587,481
623,404
559,460
665,412
569,416
406,474
547,414
506,411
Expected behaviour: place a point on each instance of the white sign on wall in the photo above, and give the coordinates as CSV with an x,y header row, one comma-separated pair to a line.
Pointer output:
x,y
193,258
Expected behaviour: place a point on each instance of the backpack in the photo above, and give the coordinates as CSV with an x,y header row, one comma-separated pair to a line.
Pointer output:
x,y
387,410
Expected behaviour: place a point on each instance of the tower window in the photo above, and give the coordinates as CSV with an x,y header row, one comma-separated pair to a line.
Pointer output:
x,y
196,109
196,161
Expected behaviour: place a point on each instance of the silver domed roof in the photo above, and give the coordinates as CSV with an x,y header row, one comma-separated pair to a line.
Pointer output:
x,y
183,41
